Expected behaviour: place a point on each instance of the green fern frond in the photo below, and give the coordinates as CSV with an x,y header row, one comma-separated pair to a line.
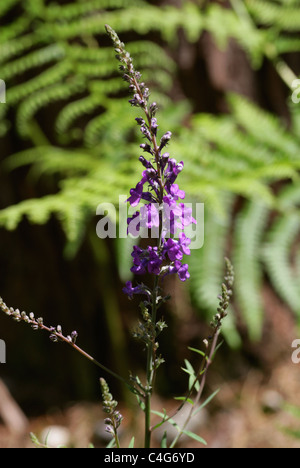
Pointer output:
x,y
225,132
32,60
76,109
277,251
251,39
207,267
142,19
51,160
267,13
206,264
264,127
31,105
55,74
71,11
249,231
35,8
286,45
103,128
10,49
7,5
14,29
277,258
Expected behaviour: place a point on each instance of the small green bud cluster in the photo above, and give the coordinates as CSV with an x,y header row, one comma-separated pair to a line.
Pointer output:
x,y
114,419
225,297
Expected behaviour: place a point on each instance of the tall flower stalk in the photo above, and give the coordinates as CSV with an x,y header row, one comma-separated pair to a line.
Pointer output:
x,y
157,207
161,211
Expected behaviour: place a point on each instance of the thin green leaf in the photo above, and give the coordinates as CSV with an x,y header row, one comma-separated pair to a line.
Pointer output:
x,y
141,403
189,367
164,416
131,445
194,436
111,444
197,385
206,402
183,398
198,351
188,371
164,440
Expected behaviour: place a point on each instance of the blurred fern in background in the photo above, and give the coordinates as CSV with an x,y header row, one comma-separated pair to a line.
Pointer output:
x,y
243,164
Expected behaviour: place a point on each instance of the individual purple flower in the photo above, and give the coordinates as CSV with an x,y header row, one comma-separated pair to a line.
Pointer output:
x,y
173,250
184,242
146,132
184,216
137,192
149,216
146,260
165,140
155,261
175,192
134,224
136,195
130,290
183,271
147,164
168,216
139,261
137,101
154,126
173,170
146,147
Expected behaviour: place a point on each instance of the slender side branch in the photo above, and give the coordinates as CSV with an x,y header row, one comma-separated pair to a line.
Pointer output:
x,y
56,335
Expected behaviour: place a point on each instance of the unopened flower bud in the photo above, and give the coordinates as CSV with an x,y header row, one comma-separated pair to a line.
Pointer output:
x,y
154,125
165,140
153,108
74,336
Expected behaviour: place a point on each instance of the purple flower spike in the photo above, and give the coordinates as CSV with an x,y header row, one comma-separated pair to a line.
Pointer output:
x,y
163,212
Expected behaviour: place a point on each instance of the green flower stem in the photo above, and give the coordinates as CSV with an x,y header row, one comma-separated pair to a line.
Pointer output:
x,y
150,371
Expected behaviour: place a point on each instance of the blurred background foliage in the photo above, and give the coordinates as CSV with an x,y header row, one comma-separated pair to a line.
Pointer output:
x,y
223,75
